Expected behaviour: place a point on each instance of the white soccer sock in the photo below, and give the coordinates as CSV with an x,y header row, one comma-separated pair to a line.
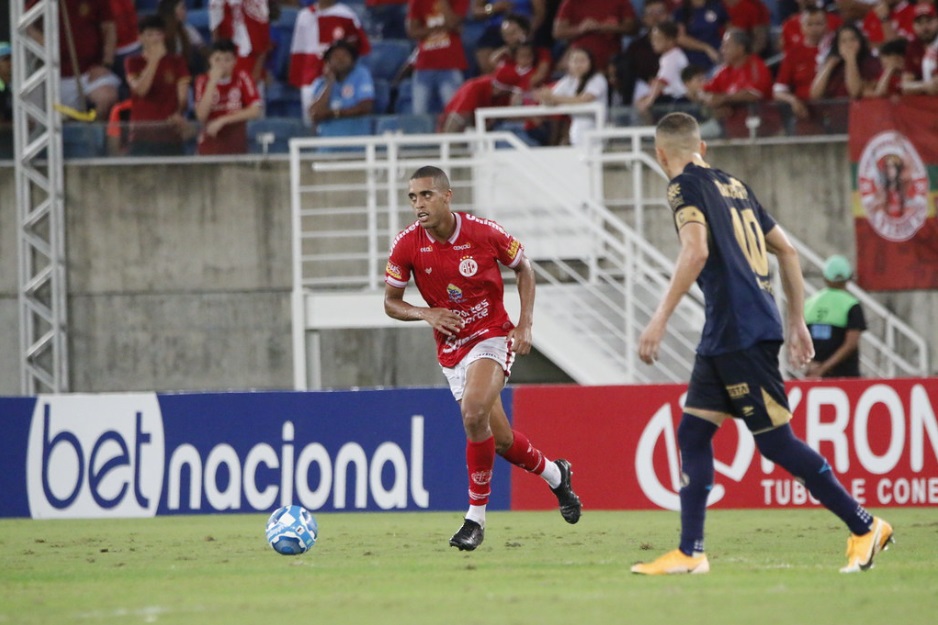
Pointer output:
x,y
551,474
477,514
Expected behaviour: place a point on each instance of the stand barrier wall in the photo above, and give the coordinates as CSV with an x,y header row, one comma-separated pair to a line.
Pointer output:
x,y
143,454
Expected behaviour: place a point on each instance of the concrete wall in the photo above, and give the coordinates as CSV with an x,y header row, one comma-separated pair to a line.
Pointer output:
x,y
179,275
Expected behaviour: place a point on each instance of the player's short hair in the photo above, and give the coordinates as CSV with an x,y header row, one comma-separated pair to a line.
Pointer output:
x,y
440,179
678,130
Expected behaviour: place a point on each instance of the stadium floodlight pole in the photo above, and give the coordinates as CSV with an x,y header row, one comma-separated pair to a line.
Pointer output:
x,y
40,198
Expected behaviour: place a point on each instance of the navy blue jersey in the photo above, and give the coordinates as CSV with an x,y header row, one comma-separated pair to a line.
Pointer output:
x,y
740,306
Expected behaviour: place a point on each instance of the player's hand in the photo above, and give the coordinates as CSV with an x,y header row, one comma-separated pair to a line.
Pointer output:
x,y
520,340
800,345
813,371
650,340
444,321
212,128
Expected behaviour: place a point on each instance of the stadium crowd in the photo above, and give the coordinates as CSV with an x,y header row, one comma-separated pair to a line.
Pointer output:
x,y
151,69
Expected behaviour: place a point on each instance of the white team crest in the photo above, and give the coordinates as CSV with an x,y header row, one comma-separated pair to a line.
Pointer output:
x,y
468,267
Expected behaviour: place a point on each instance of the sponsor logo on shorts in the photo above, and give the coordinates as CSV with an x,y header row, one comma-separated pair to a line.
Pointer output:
x,y
737,390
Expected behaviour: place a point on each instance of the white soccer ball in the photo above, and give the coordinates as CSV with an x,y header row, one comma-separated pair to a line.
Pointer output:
x,y
292,530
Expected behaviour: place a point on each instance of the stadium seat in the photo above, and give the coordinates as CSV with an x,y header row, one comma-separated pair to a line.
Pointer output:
x,y
387,57
83,140
283,100
408,124
403,103
471,31
347,127
281,36
272,135
199,18
147,6
382,97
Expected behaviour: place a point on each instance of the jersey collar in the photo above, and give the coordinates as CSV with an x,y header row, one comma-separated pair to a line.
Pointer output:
x,y
455,235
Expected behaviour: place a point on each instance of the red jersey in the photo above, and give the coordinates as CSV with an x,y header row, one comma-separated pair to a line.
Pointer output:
x,y
747,14
163,98
474,93
232,95
85,18
246,23
125,16
797,71
901,16
751,76
315,30
791,29
461,275
439,50
601,46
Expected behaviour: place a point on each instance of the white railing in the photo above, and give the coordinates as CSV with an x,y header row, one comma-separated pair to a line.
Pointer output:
x,y
594,299
602,298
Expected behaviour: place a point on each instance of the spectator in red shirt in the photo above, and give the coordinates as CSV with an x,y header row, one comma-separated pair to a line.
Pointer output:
x,y
596,26
225,99
743,80
516,33
924,46
475,93
94,34
888,20
798,68
159,88
441,60
494,13
892,58
753,17
247,23
317,28
792,35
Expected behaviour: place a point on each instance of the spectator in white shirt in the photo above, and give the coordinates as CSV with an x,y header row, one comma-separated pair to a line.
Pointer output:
x,y
666,87
581,84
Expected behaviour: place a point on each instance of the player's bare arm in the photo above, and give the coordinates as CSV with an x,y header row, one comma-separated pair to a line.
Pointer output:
x,y
800,345
690,262
521,335
444,321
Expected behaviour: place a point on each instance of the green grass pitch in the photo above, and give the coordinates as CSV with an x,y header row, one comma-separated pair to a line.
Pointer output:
x,y
767,567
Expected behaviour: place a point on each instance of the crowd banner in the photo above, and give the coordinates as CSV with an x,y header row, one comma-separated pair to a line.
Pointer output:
x,y
880,437
894,156
145,454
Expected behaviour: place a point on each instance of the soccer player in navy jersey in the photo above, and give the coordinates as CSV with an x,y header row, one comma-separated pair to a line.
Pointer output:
x,y
454,260
726,236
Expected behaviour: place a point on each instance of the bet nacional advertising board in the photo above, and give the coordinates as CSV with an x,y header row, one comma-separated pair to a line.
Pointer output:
x,y
880,437
143,454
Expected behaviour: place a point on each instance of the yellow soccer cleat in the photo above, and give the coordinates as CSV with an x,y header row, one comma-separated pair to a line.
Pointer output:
x,y
862,549
674,562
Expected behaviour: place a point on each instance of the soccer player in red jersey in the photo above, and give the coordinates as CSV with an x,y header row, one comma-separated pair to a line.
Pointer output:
x,y
454,260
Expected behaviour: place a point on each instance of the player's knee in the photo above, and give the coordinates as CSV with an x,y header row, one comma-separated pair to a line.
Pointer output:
x,y
694,433
475,416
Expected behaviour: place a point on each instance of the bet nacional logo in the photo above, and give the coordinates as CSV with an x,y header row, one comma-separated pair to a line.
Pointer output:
x,y
893,185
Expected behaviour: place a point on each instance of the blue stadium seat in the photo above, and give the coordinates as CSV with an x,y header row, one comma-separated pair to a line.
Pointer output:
x,y
283,100
408,124
200,20
83,140
347,127
382,97
147,6
405,100
281,36
275,133
387,57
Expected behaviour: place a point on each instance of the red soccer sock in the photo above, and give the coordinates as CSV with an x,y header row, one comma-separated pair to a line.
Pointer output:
x,y
480,460
523,454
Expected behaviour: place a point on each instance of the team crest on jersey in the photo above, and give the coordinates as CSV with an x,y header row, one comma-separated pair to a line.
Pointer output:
x,y
675,198
893,183
454,292
468,267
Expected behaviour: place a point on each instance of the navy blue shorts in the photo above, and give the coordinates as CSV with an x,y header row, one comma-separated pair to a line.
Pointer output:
x,y
746,384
